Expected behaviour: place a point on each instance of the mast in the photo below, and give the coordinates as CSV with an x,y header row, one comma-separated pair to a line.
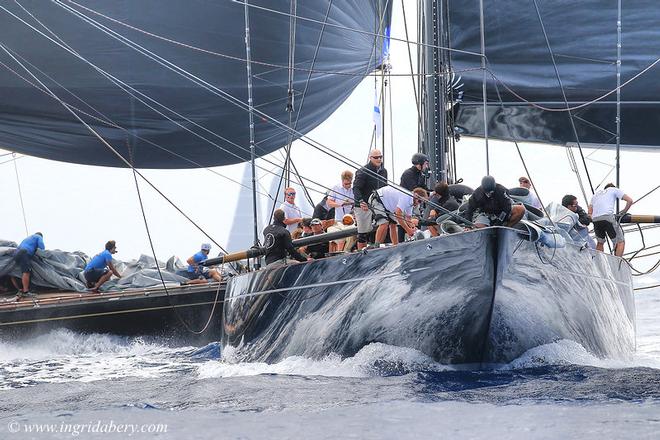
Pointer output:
x,y
483,79
250,109
432,64
618,98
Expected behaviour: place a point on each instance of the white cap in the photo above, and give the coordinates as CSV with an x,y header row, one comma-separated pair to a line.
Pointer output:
x,y
206,246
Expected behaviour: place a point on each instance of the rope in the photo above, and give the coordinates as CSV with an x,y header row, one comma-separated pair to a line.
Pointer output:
x,y
20,194
112,149
276,66
563,94
647,287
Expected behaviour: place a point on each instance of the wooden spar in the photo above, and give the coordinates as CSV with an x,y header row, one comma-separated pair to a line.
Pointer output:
x,y
258,251
631,218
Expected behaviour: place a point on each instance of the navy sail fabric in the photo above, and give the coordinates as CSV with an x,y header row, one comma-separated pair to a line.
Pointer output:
x,y
210,128
583,38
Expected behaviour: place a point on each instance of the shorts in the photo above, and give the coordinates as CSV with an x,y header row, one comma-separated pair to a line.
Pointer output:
x,y
381,215
93,275
487,219
195,275
363,219
607,225
23,259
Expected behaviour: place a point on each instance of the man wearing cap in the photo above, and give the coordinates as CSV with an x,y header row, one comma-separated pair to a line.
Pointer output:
x,y
197,274
277,241
23,258
415,176
490,205
532,198
369,178
100,268
319,250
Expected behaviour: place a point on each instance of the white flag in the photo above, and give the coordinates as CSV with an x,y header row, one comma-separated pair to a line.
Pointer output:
x,y
378,122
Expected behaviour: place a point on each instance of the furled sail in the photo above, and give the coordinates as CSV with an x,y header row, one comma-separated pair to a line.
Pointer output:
x,y
164,81
582,36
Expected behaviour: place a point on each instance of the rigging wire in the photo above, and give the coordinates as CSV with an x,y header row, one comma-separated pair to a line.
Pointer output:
x,y
563,94
20,194
182,72
110,147
160,274
262,63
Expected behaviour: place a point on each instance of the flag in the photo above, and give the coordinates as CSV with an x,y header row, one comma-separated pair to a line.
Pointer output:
x,y
378,121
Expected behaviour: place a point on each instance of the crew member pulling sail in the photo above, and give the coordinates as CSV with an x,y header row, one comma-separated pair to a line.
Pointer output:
x,y
277,241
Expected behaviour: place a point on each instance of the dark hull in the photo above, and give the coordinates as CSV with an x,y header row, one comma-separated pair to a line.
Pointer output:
x,y
477,297
179,313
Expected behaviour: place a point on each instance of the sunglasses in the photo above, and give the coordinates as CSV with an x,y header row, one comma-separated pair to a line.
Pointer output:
x,y
524,181
290,194
376,157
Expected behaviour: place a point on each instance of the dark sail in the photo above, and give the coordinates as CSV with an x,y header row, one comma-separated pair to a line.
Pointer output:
x,y
33,123
583,37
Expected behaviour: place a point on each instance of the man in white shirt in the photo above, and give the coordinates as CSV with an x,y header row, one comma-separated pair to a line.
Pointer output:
x,y
342,199
532,198
391,207
292,214
601,210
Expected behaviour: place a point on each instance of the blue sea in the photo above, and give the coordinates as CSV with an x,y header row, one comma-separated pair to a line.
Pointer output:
x,y
67,385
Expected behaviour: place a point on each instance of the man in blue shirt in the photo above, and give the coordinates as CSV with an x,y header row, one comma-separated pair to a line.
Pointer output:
x,y
100,268
197,274
23,258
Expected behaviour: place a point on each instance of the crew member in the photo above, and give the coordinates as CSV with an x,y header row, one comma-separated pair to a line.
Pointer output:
x,y
570,202
277,241
490,205
318,250
393,207
416,175
369,178
532,198
197,274
292,213
100,268
23,258
601,210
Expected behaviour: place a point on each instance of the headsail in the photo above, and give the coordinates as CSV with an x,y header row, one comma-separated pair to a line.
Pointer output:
x,y
583,40
164,81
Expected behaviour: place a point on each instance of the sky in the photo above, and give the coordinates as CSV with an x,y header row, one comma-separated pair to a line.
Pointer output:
x,y
80,207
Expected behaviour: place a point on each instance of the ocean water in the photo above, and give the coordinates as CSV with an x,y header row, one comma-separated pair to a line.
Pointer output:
x,y
67,385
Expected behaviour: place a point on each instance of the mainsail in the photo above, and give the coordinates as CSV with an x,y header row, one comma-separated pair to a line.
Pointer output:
x,y
164,81
582,41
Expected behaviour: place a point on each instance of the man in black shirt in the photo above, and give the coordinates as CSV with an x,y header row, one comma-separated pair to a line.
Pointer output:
x,y
369,178
415,176
490,205
277,241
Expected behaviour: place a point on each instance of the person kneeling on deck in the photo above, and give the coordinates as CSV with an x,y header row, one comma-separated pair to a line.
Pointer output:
x,y
277,241
391,207
100,268
197,274
601,210
23,258
490,205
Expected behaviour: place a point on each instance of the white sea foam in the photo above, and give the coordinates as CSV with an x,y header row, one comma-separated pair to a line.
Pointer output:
x,y
373,359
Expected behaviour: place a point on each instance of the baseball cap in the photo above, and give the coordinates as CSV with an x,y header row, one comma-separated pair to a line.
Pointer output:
x,y
206,246
315,221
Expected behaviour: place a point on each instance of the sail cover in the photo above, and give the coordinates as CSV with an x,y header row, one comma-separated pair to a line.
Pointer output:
x,y
583,38
164,82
